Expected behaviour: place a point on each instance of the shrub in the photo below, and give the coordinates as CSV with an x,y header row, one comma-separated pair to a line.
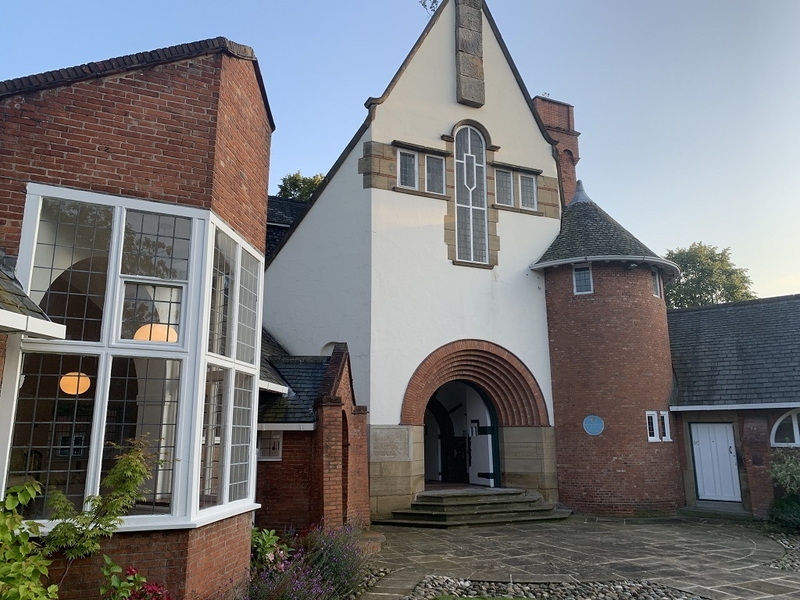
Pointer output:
x,y
785,469
785,513
23,565
327,565
335,552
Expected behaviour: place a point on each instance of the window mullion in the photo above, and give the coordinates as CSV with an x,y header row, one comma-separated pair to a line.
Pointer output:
x,y
97,435
227,427
114,285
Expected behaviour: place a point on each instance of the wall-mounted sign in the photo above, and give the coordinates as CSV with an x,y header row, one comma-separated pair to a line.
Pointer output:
x,y
593,425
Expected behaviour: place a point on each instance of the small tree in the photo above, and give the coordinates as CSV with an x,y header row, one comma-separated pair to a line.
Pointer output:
x,y
708,276
78,534
297,187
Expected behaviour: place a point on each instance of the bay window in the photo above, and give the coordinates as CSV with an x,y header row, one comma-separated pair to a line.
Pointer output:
x,y
128,279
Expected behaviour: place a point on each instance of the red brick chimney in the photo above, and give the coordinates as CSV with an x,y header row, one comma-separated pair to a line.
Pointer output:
x,y
559,121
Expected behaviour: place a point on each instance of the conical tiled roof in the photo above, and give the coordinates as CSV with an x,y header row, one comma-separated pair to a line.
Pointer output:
x,y
589,234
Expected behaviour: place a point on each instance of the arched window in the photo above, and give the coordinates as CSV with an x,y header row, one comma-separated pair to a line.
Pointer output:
x,y
471,216
786,431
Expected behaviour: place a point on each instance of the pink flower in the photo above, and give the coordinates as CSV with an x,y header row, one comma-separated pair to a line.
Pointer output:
x,y
130,571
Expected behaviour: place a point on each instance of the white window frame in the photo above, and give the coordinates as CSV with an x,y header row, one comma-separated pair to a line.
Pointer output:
x,y
497,187
581,267
794,415
272,433
415,156
663,421
190,350
657,422
651,426
656,282
441,161
535,206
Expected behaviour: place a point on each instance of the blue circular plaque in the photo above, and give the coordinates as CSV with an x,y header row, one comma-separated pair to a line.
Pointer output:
x,y
593,425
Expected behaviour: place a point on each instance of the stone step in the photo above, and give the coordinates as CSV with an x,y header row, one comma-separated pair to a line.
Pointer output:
x,y
498,519
505,506
520,502
470,514
474,495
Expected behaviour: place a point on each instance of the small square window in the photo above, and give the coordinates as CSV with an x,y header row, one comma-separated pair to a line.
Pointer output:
x,y
270,445
582,279
434,174
407,166
504,187
656,282
527,191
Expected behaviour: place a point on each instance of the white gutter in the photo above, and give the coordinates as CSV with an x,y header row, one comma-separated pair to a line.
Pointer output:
x,y
287,427
12,322
671,270
268,386
755,406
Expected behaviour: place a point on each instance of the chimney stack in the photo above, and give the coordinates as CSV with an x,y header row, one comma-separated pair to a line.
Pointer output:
x,y
559,121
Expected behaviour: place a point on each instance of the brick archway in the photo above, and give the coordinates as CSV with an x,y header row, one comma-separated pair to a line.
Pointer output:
x,y
510,385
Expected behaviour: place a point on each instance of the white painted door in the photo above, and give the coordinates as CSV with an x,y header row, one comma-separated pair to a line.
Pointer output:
x,y
480,440
715,466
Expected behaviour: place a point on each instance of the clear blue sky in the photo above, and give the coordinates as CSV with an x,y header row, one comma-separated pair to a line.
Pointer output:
x,y
689,109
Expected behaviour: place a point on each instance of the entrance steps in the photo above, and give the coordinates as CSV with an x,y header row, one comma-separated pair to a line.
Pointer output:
x,y
467,506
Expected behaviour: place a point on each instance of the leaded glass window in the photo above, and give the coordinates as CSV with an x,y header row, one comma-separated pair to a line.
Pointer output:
x,y
471,215
527,191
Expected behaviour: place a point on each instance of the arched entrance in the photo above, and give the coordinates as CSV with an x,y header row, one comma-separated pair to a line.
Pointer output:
x,y
461,436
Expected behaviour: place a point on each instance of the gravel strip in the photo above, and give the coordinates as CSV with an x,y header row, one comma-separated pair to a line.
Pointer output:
x,y
435,585
791,560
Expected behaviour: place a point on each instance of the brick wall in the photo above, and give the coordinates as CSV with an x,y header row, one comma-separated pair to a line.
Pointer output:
x,y
241,157
283,487
208,563
610,357
559,121
147,134
323,476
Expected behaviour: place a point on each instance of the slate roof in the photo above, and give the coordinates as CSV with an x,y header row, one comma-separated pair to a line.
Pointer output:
x,y
269,348
281,214
738,353
131,62
589,233
13,299
304,375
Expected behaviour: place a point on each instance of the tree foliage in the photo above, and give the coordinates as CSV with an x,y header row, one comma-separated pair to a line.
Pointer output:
x,y
430,6
297,187
23,565
708,276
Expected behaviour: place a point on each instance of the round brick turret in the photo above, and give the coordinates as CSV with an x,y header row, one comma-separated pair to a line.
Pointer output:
x,y
610,358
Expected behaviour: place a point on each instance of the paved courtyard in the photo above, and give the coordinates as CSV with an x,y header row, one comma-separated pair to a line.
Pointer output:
x,y
709,558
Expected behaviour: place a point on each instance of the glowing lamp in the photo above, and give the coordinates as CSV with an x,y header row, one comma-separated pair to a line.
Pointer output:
x,y
156,332
74,383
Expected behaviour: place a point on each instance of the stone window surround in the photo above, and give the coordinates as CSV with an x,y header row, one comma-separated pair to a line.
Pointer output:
x,y
516,171
379,168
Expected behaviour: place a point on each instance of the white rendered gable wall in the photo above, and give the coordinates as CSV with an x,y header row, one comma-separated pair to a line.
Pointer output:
x,y
369,267
420,300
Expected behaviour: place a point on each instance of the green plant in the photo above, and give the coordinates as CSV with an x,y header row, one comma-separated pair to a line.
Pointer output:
x,y
338,557
78,534
327,565
785,469
23,565
785,513
119,585
266,550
